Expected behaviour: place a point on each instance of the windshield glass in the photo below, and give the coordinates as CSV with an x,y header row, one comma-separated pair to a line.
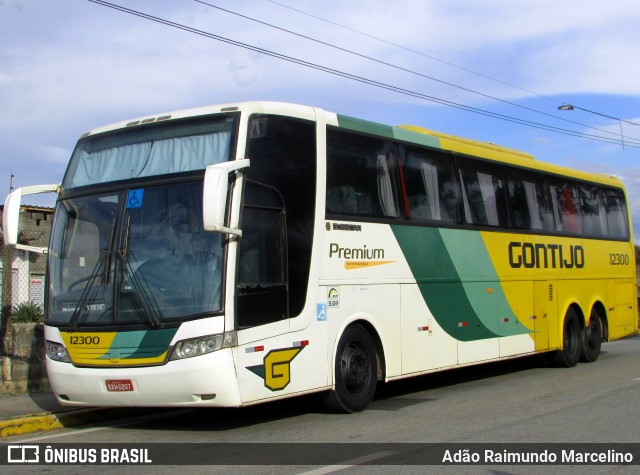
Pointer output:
x,y
137,256
144,151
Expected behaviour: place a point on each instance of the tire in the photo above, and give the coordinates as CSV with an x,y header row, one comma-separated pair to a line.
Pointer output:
x,y
355,372
592,338
571,350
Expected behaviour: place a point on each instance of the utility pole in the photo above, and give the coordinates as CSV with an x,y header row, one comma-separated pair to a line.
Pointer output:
x,y
7,285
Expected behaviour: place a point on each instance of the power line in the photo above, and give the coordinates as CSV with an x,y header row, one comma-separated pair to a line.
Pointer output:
x,y
564,105
410,50
353,77
571,107
410,71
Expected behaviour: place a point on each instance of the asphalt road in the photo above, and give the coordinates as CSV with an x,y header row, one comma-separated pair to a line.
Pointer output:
x,y
522,402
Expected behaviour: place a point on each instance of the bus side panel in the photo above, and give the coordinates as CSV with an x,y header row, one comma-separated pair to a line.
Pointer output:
x,y
460,285
614,263
281,365
363,269
521,310
623,315
425,344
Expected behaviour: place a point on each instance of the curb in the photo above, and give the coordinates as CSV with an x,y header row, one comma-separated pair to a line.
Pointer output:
x,y
44,422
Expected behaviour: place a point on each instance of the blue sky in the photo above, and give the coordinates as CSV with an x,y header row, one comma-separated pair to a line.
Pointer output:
x,y
71,65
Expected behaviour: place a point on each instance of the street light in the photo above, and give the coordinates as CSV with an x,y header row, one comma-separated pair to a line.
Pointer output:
x,y
569,107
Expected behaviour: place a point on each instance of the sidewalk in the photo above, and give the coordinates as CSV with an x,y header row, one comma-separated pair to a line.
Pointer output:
x,y
22,414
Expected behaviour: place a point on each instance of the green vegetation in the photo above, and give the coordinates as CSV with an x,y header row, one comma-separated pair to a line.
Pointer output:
x,y
27,312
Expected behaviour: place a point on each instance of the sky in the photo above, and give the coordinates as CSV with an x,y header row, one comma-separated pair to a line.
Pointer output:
x,y
67,66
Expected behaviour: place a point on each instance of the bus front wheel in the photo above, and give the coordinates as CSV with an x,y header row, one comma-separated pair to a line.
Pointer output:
x,y
355,371
569,355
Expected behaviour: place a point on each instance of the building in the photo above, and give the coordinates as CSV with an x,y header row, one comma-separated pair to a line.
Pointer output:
x,y
28,269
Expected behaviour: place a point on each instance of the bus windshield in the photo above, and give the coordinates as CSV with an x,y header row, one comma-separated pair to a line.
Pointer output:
x,y
137,256
134,252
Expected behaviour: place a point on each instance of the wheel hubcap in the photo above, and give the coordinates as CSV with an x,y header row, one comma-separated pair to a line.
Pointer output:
x,y
355,368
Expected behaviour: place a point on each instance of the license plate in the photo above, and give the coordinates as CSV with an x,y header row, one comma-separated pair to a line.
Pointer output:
x,y
119,385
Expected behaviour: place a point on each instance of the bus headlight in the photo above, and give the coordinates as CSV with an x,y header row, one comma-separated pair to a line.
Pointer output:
x,y
57,352
203,345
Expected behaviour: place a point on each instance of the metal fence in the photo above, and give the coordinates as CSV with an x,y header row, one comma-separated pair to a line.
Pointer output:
x,y
27,284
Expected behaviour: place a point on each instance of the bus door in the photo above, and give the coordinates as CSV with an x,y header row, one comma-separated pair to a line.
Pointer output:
x,y
261,300
274,260
271,359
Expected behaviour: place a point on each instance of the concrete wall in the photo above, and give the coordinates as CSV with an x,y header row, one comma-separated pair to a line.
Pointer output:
x,y
23,363
23,351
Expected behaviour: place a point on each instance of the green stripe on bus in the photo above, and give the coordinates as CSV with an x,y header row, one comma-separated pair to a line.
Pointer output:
x,y
481,281
416,138
154,343
453,271
365,126
141,344
387,131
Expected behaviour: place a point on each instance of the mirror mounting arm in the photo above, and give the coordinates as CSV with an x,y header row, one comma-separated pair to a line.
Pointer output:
x,y
214,195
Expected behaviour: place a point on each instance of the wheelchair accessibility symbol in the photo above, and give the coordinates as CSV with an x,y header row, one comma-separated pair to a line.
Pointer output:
x,y
134,200
321,312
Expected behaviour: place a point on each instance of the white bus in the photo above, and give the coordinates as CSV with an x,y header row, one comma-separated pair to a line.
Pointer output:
x,y
241,253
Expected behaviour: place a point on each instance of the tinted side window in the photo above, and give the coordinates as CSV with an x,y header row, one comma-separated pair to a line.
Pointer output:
x,y
262,277
530,201
483,194
594,216
566,206
361,177
616,211
431,188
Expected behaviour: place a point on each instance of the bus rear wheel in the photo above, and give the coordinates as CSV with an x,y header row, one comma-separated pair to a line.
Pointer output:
x,y
571,350
355,372
592,338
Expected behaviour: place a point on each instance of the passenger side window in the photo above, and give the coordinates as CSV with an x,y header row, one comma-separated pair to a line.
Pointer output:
x,y
530,201
566,207
594,216
616,212
431,188
483,194
361,176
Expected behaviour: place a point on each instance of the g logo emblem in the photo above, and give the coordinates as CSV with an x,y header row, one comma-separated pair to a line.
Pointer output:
x,y
276,370
277,366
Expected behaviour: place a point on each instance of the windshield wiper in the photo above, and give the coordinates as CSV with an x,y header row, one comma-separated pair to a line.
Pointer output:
x,y
141,288
102,268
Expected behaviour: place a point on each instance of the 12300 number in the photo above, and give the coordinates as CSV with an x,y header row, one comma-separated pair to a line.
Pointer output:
x,y
619,259
84,340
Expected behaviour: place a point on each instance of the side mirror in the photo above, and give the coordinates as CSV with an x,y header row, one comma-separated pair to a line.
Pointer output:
x,y
11,214
214,195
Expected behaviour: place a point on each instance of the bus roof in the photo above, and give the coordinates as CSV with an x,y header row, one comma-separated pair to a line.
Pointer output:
x,y
507,155
405,133
422,136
